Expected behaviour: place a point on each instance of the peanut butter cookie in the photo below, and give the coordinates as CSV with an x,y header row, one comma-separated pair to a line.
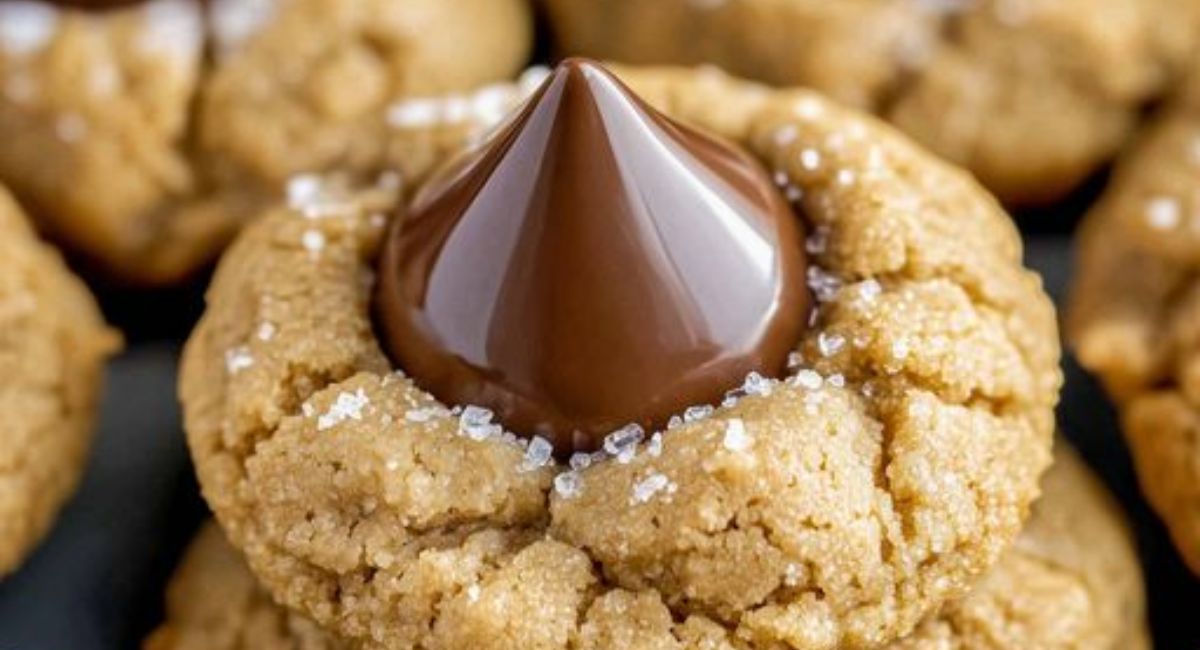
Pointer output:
x,y
142,134
1072,580
1031,96
1133,309
832,501
214,603
53,345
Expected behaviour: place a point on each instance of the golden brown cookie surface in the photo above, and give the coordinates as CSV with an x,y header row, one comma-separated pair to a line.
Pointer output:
x,y
53,344
1133,310
1031,96
214,603
904,450
1070,581
132,145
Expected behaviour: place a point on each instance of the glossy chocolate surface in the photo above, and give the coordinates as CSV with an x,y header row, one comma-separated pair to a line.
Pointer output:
x,y
593,265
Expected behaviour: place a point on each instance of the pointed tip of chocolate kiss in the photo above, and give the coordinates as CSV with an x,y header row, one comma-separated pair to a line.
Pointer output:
x,y
595,264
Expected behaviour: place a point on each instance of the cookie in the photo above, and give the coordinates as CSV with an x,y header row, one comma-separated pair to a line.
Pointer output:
x,y
1133,304
214,603
1071,580
131,144
53,345
1031,96
835,506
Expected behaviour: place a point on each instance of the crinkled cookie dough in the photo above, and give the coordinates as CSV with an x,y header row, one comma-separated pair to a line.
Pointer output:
x,y
53,345
1031,96
143,136
835,508
1072,580
1134,308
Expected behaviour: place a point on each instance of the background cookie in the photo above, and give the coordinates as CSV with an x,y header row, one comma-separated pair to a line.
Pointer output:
x,y
1032,96
337,476
94,116
138,135
1133,309
214,603
1071,581
53,344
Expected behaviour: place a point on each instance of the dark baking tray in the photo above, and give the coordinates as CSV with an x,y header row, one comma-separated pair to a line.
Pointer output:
x,y
97,583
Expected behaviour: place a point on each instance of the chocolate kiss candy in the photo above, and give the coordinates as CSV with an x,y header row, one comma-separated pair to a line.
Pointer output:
x,y
593,265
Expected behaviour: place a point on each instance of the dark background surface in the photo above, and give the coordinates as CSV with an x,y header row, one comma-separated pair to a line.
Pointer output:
x,y
97,583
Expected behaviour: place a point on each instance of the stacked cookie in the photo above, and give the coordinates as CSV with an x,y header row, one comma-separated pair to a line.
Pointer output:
x,y
874,492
